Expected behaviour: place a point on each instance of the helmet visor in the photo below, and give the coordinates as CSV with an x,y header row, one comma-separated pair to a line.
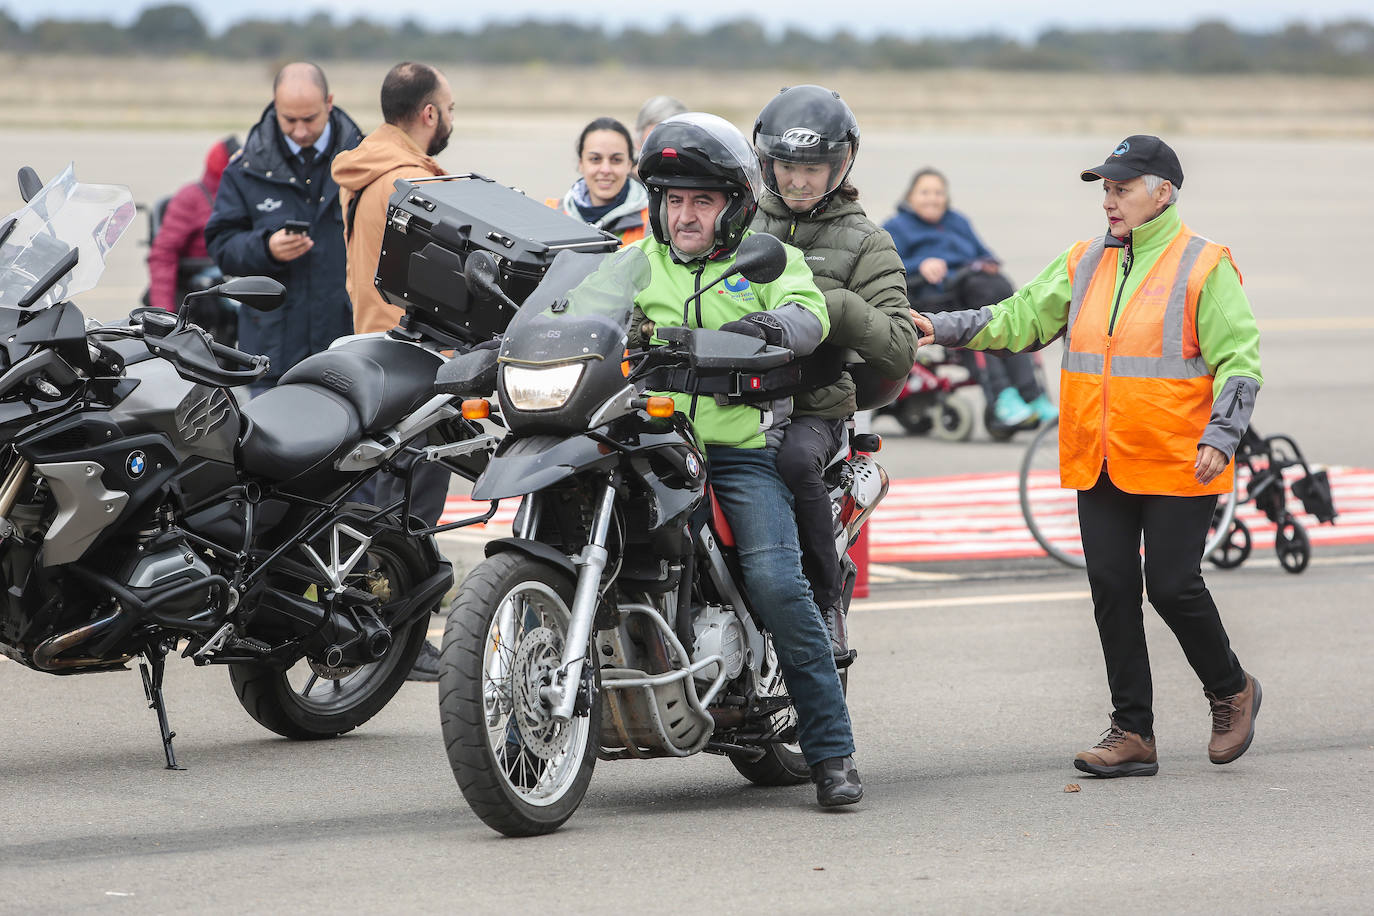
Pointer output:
x,y
800,165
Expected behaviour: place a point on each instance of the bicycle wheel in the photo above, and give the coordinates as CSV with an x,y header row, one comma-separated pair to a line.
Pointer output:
x,y
1051,512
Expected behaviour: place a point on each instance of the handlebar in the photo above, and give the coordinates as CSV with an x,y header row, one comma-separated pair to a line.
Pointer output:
x,y
196,355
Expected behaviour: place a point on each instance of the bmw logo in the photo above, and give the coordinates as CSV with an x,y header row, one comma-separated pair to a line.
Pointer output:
x,y
136,464
693,466
1122,150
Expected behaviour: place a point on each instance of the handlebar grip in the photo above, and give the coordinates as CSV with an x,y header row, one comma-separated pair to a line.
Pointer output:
x,y
235,357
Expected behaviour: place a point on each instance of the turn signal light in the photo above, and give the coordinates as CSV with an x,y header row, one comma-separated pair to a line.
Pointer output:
x,y
660,407
476,409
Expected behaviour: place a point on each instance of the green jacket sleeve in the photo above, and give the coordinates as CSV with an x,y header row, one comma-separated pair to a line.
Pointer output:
x,y
1029,319
871,314
1226,329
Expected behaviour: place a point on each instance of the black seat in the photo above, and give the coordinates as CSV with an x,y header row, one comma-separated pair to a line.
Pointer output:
x,y
384,379
292,430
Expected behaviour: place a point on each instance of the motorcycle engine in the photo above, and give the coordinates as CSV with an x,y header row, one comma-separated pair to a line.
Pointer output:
x,y
170,563
717,631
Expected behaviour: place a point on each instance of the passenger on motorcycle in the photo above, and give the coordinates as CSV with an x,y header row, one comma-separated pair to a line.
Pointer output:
x,y
807,139
703,181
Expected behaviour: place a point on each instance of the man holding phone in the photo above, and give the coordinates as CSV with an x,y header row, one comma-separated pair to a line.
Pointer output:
x,y
277,214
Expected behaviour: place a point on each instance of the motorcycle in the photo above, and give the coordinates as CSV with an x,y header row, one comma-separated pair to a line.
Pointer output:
x,y
614,623
143,506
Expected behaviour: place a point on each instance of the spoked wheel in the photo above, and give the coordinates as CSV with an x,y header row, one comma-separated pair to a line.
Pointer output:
x,y
1051,512
312,700
1292,545
778,763
1234,548
522,772
951,419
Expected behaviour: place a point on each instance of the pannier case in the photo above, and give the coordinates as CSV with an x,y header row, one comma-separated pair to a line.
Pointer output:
x,y
433,224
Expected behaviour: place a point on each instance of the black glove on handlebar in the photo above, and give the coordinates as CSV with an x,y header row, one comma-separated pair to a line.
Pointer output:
x,y
762,325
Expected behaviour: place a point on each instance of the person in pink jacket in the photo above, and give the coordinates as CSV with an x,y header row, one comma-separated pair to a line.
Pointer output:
x,y
178,249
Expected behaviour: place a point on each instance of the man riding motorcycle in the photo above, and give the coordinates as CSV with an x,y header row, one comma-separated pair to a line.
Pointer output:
x,y
703,180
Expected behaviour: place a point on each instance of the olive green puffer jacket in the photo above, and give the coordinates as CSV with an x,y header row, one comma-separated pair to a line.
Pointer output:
x,y
858,269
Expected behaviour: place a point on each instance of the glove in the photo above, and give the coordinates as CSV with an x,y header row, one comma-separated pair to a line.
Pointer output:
x,y
762,325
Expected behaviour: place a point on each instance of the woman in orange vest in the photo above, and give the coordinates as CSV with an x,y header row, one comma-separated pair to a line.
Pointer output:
x,y
606,195
1158,382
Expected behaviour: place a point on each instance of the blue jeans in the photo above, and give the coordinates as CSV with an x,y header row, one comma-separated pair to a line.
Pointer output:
x,y
758,506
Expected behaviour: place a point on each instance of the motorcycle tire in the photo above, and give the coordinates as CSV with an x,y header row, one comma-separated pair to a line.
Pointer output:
x,y
952,420
348,697
521,772
779,764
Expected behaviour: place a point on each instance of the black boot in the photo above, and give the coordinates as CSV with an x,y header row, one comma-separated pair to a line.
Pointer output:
x,y
838,625
426,667
837,782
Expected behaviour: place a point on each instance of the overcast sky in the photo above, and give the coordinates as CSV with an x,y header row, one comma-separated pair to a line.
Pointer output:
x,y
865,17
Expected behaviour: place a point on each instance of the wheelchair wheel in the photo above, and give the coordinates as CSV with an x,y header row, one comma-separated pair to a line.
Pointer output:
x,y
914,416
1234,548
1292,545
951,420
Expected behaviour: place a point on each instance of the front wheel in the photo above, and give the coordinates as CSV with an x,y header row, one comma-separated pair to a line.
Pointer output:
x,y
522,772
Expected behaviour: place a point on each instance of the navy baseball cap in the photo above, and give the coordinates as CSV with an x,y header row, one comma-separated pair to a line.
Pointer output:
x,y
1139,154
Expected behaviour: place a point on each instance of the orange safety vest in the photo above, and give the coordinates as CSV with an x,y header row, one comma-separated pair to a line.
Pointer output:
x,y
1137,395
629,236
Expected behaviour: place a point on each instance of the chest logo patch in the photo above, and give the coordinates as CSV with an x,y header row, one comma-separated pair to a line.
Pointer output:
x,y
269,204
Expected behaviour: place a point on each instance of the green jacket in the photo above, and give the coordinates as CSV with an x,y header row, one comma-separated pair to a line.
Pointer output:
x,y
859,271
1226,330
799,306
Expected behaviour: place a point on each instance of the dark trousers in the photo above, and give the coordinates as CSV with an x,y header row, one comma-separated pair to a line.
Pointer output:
x,y
1175,531
808,446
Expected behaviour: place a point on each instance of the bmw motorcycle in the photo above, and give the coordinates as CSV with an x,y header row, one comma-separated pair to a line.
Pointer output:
x,y
145,507
615,623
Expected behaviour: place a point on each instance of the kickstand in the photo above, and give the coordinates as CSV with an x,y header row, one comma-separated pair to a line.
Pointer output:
x,y
156,658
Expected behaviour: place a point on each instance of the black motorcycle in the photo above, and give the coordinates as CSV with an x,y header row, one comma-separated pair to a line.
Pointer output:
x,y
145,507
615,622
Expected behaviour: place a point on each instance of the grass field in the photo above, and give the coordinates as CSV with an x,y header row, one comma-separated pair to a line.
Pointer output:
x,y
206,94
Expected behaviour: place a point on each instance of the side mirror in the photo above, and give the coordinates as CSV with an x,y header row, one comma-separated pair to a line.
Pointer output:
x,y
260,293
761,258
483,277
29,183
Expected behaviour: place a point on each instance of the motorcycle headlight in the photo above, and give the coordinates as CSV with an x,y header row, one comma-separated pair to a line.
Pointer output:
x,y
544,388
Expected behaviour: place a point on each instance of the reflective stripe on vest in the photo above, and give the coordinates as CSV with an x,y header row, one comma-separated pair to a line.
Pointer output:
x,y
1140,398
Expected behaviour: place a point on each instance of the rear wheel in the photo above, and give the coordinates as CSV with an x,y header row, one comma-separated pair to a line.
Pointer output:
x,y
523,772
778,763
311,700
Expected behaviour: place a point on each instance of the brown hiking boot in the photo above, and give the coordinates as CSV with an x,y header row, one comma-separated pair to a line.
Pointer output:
x,y
1119,753
1233,721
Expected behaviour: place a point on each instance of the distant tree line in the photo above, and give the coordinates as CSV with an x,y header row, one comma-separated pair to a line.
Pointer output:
x,y
1338,48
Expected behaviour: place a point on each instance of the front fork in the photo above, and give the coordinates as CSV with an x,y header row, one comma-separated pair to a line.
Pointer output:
x,y
561,696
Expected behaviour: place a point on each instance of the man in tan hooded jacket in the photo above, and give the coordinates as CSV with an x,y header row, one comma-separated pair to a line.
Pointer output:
x,y
417,105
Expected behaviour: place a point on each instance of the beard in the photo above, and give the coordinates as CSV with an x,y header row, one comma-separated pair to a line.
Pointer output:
x,y
439,142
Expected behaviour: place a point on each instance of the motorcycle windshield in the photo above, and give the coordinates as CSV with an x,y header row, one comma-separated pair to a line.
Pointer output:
x,y
580,310
65,215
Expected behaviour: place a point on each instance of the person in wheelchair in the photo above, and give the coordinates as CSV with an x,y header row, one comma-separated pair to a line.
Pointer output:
x,y
949,268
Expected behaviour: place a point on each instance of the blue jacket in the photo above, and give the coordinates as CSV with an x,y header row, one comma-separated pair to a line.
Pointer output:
x,y
952,240
259,192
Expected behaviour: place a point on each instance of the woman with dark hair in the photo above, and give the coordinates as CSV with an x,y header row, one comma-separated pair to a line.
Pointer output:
x,y
949,268
606,195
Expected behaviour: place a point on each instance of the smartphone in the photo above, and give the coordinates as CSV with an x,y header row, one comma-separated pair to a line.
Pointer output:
x,y
297,227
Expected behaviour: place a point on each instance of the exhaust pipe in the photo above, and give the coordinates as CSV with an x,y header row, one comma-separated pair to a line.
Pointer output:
x,y
45,657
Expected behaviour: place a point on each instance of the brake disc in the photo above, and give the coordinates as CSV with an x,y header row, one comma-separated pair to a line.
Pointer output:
x,y
538,657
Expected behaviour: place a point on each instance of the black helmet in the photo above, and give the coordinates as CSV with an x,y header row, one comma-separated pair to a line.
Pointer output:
x,y
697,150
807,125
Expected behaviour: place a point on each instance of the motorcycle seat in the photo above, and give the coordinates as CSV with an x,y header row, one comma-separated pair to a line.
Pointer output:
x,y
292,430
384,379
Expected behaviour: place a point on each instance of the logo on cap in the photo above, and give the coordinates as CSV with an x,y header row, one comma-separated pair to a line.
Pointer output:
x,y
1122,149
800,137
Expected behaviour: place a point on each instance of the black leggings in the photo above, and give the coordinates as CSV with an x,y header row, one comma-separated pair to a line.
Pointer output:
x,y
810,443
1175,530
